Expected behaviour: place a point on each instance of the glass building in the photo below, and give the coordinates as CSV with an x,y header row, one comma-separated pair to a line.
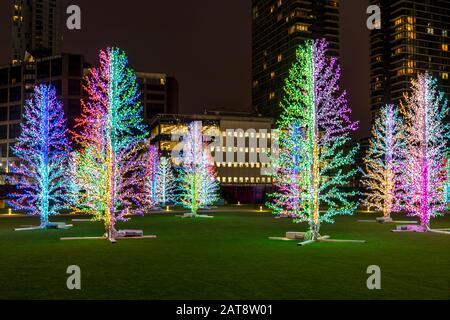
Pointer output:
x,y
279,27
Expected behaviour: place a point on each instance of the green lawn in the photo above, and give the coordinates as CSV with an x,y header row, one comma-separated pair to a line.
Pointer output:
x,y
228,257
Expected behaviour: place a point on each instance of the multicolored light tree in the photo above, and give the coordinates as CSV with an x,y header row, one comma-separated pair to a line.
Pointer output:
x,y
384,161
197,182
151,163
190,175
111,134
424,172
316,116
290,178
43,149
165,183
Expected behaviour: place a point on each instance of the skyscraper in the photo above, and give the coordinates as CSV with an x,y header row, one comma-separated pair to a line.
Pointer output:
x,y
414,38
279,26
36,28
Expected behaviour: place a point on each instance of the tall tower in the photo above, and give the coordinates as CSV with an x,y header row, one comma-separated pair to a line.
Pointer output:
x,y
414,38
36,28
279,27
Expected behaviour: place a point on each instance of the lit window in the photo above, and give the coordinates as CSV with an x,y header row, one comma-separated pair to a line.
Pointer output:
x,y
298,27
430,29
444,33
272,74
444,47
280,57
445,76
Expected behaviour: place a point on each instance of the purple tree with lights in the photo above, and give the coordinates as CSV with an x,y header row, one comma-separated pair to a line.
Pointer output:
x,y
314,130
424,172
43,150
384,161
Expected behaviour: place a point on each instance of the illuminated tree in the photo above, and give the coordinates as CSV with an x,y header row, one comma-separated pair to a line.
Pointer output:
x,y
290,179
384,162
209,184
424,174
165,183
316,116
190,174
151,163
111,136
43,150
197,183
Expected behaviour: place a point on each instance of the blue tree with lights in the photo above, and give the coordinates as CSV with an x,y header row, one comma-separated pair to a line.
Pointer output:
x,y
43,150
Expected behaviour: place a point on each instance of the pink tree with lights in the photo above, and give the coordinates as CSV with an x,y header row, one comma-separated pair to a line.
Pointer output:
x,y
424,176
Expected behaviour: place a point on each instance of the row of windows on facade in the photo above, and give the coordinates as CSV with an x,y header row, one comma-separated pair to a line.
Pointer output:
x,y
413,50
244,179
242,134
272,8
242,150
409,24
243,165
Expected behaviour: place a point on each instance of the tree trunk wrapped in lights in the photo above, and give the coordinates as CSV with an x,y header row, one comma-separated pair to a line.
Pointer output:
x,y
43,150
111,136
151,163
209,183
165,183
314,129
384,162
424,172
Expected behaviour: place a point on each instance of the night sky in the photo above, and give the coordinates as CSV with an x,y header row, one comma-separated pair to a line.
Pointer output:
x,y
205,44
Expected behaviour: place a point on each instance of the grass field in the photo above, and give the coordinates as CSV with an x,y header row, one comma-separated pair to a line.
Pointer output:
x,y
228,257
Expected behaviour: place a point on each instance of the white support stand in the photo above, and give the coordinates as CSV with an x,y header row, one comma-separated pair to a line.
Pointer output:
x,y
304,243
51,225
191,215
440,231
385,221
104,238
27,229
328,239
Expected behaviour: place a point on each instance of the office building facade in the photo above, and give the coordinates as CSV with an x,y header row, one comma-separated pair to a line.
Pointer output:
x,y
36,28
278,28
239,143
159,94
